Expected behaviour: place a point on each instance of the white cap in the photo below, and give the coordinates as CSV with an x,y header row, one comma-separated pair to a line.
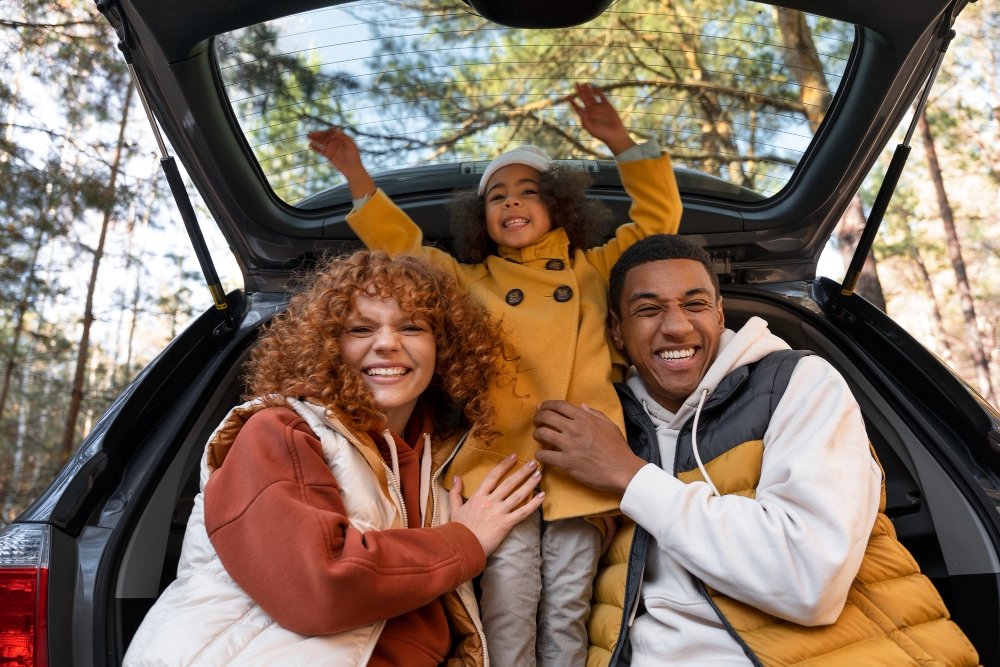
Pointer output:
x,y
533,156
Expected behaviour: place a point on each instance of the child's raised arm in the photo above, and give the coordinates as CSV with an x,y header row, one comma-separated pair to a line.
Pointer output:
x,y
379,223
599,117
343,154
647,178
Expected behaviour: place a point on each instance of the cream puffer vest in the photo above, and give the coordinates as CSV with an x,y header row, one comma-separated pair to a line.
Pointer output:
x,y
205,618
893,614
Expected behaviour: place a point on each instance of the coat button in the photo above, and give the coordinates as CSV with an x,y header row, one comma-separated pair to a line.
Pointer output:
x,y
555,265
563,293
515,296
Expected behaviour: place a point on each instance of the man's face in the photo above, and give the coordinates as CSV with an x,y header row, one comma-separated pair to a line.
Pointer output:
x,y
670,327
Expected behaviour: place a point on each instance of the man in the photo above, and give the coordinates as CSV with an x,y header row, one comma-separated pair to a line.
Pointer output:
x,y
753,488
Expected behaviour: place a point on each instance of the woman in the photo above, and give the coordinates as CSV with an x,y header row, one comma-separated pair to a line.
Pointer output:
x,y
321,533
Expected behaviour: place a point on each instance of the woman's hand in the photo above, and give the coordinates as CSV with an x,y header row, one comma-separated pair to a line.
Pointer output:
x,y
600,118
343,154
493,510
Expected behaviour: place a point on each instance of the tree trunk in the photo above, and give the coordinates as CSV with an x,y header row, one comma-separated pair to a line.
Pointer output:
x,y
972,333
138,276
131,329
22,308
802,58
22,416
88,419
717,136
848,233
940,333
9,117
69,437
22,429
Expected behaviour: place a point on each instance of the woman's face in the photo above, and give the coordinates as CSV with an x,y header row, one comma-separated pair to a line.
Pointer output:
x,y
394,353
516,216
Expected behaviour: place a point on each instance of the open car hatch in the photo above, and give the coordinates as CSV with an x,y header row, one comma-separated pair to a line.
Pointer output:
x,y
763,200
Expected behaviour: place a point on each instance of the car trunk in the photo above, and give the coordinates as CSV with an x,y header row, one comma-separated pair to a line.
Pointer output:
x,y
942,497
125,498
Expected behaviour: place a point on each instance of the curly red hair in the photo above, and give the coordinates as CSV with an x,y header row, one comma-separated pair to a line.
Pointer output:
x,y
299,351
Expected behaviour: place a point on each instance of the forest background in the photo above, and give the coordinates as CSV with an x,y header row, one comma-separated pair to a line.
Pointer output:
x,y
97,275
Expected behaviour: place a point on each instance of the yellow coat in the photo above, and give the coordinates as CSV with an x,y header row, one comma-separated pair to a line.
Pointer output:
x,y
558,337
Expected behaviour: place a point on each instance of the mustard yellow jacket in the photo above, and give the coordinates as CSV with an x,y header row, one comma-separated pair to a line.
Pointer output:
x,y
554,306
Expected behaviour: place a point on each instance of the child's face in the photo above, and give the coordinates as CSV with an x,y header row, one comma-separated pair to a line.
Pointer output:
x,y
516,217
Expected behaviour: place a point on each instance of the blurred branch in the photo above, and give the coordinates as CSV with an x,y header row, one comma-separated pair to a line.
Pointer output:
x,y
7,23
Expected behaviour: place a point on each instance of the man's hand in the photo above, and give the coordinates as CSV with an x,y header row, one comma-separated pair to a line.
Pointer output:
x,y
600,118
496,506
343,154
586,444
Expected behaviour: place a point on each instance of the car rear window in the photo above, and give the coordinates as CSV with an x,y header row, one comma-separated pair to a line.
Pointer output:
x,y
732,90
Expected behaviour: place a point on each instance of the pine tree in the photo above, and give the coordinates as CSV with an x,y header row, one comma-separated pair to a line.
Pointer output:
x,y
973,336
69,436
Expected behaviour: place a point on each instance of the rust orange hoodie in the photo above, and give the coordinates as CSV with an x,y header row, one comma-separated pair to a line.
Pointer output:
x,y
275,494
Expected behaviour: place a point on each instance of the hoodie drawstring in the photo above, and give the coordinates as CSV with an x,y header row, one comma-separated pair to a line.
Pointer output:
x,y
694,441
425,477
425,470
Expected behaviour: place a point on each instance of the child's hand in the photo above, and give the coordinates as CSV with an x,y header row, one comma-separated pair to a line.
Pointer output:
x,y
343,154
600,118
338,148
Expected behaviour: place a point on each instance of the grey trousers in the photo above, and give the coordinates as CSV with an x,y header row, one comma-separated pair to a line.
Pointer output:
x,y
536,592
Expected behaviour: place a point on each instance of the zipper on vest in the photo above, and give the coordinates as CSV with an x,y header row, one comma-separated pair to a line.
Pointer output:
x,y
643,420
394,472
434,506
479,629
424,483
367,655
399,493
434,490
638,594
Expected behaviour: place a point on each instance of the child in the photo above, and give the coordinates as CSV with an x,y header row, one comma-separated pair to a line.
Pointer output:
x,y
523,241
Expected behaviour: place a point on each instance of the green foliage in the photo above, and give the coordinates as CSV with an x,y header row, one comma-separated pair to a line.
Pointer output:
x,y
276,95
62,90
712,81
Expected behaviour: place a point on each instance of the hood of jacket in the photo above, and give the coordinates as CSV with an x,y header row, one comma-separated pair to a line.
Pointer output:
x,y
740,348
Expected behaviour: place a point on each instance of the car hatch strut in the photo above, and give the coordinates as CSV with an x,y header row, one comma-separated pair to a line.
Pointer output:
x,y
885,193
174,179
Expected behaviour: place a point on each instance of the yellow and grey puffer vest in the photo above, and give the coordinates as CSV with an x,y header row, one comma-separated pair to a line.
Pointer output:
x,y
893,614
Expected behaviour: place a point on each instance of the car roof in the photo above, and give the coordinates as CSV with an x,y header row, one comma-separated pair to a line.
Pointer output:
x,y
779,238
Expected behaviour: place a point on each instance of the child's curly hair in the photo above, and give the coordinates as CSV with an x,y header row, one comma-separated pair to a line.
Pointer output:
x,y
564,192
299,351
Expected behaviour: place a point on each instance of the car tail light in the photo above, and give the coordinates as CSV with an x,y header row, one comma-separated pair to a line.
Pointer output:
x,y
24,587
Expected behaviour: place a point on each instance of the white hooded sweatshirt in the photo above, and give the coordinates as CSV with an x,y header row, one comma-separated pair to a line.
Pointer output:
x,y
793,551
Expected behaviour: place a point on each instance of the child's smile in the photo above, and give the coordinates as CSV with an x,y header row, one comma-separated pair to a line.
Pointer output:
x,y
516,216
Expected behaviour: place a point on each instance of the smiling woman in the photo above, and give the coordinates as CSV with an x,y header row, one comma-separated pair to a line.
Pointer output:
x,y
338,453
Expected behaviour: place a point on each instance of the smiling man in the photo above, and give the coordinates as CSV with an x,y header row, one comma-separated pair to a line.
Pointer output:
x,y
747,470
